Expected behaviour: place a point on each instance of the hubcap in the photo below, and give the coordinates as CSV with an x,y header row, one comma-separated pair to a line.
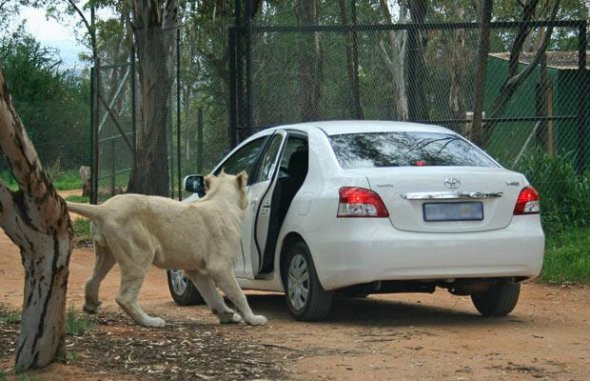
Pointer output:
x,y
298,283
179,282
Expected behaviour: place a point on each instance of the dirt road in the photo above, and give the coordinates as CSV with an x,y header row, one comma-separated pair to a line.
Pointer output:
x,y
384,337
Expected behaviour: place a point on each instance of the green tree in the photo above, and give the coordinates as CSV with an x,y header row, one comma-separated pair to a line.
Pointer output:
x,y
52,103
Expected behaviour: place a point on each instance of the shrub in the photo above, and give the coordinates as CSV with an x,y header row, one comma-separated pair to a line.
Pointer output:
x,y
565,195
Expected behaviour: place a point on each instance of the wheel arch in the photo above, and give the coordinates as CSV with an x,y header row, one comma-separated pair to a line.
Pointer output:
x,y
289,240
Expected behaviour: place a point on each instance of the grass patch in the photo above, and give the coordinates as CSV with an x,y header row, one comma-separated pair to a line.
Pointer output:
x,y
17,376
77,323
76,198
62,180
82,231
8,315
567,257
66,180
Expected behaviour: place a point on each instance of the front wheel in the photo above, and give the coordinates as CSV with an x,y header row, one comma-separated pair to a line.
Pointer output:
x,y
499,300
306,299
182,290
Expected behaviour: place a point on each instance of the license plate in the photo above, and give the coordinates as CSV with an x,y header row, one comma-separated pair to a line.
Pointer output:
x,y
453,211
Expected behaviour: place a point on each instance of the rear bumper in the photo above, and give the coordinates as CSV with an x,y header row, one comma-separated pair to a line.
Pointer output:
x,y
353,252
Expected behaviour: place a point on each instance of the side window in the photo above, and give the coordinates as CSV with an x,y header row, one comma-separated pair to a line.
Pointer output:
x,y
294,144
269,159
243,159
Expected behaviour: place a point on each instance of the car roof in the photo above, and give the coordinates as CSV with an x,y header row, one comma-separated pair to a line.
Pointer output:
x,y
353,126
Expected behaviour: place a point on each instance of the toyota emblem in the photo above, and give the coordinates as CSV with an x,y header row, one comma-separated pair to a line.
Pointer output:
x,y
452,183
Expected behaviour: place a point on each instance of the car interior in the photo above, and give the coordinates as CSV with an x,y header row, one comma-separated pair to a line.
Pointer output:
x,y
289,181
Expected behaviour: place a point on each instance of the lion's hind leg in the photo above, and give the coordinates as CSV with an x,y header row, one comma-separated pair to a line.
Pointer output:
x,y
133,272
103,263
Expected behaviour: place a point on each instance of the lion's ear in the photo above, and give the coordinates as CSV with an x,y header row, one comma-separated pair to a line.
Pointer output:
x,y
242,179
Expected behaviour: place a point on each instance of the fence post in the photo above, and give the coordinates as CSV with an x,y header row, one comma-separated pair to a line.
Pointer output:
x,y
95,143
133,105
113,169
178,158
233,113
249,99
91,135
582,95
200,140
355,60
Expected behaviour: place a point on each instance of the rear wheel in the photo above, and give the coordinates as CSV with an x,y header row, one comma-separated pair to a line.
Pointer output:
x,y
181,288
498,300
306,299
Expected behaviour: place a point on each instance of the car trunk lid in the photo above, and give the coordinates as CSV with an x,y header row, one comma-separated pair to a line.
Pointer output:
x,y
447,199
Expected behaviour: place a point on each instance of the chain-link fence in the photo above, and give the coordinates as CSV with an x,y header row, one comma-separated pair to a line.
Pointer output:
x,y
339,60
184,95
293,65
533,101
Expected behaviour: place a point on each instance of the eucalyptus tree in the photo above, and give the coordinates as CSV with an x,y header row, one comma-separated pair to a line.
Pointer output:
x,y
36,219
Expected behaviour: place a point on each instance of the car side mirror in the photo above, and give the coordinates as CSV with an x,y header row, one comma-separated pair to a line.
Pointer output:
x,y
195,184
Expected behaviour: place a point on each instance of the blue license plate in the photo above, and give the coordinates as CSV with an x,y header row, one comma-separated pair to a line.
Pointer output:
x,y
453,211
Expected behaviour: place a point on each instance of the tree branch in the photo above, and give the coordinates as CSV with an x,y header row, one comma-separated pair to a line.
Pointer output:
x,y
84,19
516,78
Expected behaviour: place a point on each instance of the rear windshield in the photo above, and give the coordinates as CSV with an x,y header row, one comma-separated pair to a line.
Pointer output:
x,y
396,149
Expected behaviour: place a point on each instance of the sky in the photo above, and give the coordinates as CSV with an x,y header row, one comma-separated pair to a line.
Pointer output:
x,y
51,34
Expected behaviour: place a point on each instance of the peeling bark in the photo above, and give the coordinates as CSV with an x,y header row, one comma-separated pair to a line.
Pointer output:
x,y
36,219
392,56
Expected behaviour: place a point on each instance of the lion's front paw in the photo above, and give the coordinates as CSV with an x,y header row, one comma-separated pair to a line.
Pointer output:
x,y
257,320
229,317
153,322
91,308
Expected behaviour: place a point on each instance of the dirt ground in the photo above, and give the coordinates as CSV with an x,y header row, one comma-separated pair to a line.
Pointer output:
x,y
384,337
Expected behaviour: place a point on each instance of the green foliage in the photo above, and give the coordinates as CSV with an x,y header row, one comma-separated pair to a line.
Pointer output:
x,y
77,324
52,104
62,180
82,231
7,179
65,180
567,257
76,198
565,195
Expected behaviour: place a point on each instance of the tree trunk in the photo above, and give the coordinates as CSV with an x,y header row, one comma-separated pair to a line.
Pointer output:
x,y
459,63
393,59
155,36
475,132
415,65
306,12
351,63
36,219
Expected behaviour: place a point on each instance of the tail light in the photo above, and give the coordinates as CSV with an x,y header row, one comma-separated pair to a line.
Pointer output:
x,y
528,202
360,202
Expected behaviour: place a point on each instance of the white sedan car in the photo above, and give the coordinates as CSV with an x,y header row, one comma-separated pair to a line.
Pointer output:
x,y
358,207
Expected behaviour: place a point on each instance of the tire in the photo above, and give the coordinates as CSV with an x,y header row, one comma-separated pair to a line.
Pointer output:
x,y
305,297
498,300
182,290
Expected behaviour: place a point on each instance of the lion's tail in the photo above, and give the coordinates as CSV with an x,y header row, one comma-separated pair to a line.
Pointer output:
x,y
91,211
